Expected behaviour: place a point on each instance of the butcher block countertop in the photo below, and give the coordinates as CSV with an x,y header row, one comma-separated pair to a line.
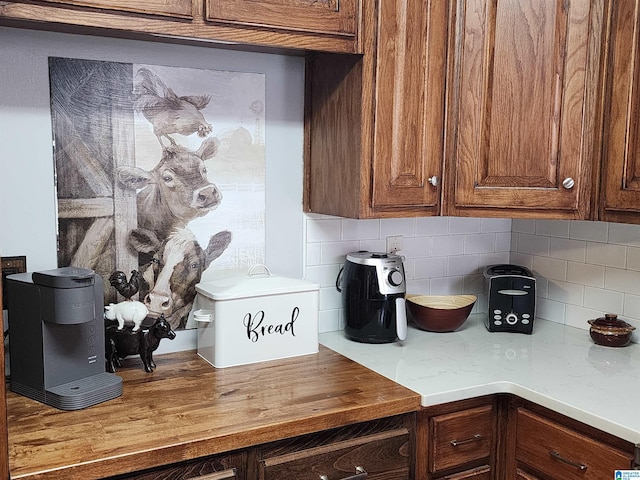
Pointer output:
x,y
187,409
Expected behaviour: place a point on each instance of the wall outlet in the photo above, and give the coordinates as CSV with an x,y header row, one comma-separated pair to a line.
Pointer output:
x,y
394,244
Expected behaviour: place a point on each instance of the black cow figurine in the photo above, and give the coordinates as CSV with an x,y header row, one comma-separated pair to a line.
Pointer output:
x,y
125,342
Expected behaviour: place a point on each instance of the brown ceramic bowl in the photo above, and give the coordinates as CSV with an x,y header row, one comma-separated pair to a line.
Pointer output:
x,y
610,332
439,313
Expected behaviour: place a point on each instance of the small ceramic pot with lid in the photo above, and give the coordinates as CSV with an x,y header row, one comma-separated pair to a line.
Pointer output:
x,y
610,332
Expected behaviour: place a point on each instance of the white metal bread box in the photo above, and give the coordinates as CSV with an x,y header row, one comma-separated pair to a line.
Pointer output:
x,y
248,318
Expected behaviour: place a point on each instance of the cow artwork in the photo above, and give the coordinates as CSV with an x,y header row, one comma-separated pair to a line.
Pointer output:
x,y
175,266
143,155
175,191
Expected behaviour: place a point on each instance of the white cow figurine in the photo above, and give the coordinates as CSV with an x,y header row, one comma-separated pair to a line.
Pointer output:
x,y
130,311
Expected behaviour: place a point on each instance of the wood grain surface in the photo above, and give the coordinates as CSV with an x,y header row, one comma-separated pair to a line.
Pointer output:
x,y
186,409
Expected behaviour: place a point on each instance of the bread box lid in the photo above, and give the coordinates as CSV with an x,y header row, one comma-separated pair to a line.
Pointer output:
x,y
258,281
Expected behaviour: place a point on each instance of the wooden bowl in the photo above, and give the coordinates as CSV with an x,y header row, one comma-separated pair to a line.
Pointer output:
x,y
439,313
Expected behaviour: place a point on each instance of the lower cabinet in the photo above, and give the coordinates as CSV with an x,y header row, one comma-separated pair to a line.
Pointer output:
x,y
461,440
557,447
377,450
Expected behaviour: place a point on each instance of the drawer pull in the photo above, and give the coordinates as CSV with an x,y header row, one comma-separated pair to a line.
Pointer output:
x,y
476,438
555,455
361,474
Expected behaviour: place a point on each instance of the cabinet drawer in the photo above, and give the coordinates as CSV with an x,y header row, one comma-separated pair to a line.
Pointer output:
x,y
561,452
381,455
461,437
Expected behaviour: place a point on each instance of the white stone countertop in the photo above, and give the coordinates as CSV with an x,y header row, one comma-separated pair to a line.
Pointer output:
x,y
557,366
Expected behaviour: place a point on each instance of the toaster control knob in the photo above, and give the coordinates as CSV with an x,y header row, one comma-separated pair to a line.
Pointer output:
x,y
395,278
511,319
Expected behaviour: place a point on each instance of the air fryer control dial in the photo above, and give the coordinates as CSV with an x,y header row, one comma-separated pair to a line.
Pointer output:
x,y
395,278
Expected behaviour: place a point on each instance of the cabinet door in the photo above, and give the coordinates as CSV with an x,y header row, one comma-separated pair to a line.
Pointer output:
x,y
170,8
4,452
335,17
462,437
621,154
409,107
560,452
524,108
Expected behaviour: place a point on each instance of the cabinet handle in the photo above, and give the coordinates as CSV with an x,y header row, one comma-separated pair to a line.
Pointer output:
x,y
568,183
361,474
434,180
476,438
555,455
230,473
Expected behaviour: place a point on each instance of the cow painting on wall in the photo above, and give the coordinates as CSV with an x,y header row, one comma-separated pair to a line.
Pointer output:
x,y
161,170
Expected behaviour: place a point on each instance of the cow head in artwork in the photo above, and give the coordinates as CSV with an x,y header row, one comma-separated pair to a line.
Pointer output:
x,y
176,190
176,266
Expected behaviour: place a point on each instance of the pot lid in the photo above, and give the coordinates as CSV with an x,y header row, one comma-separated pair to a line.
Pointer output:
x,y
611,322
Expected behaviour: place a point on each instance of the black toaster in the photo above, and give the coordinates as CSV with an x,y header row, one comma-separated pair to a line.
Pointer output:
x,y
512,298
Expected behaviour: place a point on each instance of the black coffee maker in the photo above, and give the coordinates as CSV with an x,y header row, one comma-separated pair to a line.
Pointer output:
x,y
373,289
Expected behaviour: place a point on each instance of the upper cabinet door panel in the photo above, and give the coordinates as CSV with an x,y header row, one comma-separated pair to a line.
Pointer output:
x,y
523,76
409,107
334,17
621,160
169,8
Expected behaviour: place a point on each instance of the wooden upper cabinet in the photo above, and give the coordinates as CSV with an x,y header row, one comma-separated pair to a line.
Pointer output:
x,y
409,105
169,8
620,193
335,17
375,123
523,108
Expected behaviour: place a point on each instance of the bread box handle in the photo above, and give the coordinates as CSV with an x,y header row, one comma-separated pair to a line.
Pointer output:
x,y
253,270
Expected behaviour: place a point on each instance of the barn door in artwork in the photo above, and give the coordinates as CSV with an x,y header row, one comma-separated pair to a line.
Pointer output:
x,y
93,134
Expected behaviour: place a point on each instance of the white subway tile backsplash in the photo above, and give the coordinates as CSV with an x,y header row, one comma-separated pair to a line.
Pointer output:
x,y
479,243
447,245
495,225
459,225
417,247
397,226
550,310
567,249
624,234
553,228
583,269
533,244
565,292
335,252
631,306
585,274
462,265
603,300
324,230
360,229
523,226
627,281
633,258
432,226
576,316
551,268
430,267
586,230
606,254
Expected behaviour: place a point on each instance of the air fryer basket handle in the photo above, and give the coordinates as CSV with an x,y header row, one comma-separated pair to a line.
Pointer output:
x,y
338,279
401,318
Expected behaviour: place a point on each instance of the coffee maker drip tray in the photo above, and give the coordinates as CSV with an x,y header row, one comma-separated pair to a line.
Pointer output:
x,y
76,395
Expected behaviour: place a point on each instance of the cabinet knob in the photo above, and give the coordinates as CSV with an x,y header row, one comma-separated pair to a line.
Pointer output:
x,y
433,180
361,474
568,183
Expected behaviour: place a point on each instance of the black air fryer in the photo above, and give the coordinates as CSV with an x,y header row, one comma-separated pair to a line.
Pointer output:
x,y
512,298
373,289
